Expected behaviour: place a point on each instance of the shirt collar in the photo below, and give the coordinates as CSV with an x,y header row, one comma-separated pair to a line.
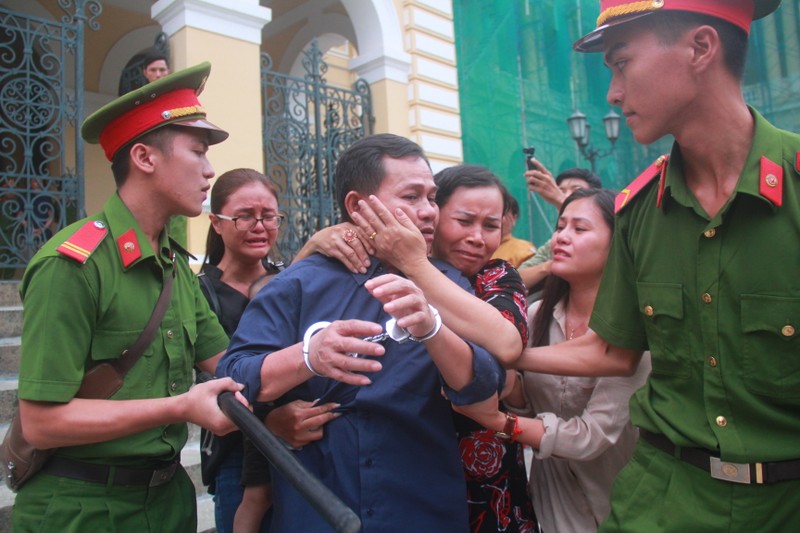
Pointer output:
x,y
765,143
127,233
376,268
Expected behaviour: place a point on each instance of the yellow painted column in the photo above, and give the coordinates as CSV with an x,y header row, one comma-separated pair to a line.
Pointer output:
x,y
228,35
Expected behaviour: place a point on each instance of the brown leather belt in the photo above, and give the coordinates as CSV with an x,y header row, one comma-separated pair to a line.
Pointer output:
x,y
750,473
107,474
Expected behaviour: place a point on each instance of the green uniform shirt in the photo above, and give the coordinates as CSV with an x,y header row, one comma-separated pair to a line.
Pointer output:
x,y
76,315
717,302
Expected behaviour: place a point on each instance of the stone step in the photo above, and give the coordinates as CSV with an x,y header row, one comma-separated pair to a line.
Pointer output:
x,y
9,293
10,321
10,348
8,399
190,458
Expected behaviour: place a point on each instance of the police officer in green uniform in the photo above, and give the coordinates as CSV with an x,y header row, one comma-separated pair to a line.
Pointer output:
x,y
87,296
703,273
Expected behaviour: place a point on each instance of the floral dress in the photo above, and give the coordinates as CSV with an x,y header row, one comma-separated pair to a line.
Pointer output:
x,y
497,484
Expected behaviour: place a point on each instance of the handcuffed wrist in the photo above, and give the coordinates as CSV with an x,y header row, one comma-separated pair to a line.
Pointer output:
x,y
312,329
436,326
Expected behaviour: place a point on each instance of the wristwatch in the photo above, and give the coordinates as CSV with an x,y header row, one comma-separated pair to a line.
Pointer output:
x,y
511,430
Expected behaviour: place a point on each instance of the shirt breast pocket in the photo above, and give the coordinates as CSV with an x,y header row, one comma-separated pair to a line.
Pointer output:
x,y
771,346
667,334
108,345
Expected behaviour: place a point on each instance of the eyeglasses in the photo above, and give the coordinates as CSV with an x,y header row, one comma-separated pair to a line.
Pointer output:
x,y
248,222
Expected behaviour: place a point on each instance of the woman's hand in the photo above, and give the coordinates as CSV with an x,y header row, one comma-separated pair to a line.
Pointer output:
x,y
341,242
394,237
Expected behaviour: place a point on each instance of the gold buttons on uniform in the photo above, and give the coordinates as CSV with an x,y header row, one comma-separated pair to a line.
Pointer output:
x,y
648,310
710,233
722,421
173,387
170,334
788,330
707,298
712,361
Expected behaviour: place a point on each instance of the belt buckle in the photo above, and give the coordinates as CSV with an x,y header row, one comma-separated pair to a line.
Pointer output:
x,y
163,475
732,472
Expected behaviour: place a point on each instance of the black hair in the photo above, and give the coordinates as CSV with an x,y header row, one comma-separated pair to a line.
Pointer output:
x,y
670,25
468,176
555,288
153,57
360,168
160,138
227,184
583,174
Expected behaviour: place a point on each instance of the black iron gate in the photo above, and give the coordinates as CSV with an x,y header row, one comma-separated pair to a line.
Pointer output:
x,y
41,102
307,124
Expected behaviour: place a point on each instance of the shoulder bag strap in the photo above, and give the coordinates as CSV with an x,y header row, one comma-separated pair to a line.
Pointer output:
x,y
132,354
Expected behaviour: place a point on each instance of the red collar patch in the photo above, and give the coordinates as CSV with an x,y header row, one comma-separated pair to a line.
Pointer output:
x,y
770,181
128,246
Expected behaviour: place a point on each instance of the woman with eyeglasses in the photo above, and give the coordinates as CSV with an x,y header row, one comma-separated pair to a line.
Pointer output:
x,y
244,227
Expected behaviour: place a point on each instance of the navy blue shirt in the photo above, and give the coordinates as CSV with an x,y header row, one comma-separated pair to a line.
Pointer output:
x,y
393,454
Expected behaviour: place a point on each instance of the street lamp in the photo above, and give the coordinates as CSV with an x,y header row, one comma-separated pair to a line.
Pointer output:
x,y
579,130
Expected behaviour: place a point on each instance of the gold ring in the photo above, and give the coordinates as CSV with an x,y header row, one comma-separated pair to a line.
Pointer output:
x,y
372,236
349,236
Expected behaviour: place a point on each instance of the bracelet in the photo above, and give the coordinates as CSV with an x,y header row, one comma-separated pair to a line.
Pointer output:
x,y
436,326
313,328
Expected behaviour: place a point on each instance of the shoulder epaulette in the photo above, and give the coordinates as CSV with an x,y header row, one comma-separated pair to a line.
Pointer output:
x,y
84,241
658,168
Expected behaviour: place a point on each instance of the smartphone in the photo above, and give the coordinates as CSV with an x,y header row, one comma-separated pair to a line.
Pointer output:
x,y
529,163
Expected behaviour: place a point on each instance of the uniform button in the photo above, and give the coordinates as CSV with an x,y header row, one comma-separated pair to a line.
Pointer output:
x,y
722,421
712,361
788,330
170,334
710,233
173,387
707,298
369,462
370,512
648,310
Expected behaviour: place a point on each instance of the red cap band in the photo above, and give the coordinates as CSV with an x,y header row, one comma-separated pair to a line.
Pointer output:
x,y
164,109
738,12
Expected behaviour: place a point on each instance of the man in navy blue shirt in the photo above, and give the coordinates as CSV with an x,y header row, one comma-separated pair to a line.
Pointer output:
x,y
392,454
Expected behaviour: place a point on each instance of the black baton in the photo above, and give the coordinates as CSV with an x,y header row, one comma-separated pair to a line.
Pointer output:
x,y
327,504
